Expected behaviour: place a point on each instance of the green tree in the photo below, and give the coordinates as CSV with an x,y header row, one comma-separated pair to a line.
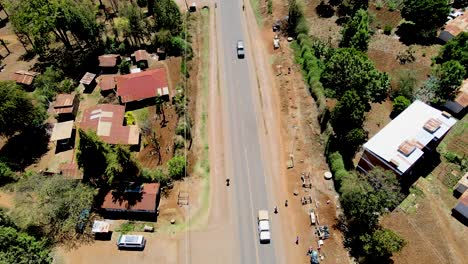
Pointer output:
x,y
356,31
450,75
167,16
400,103
427,15
42,19
295,16
350,7
6,174
348,113
51,82
52,204
91,155
382,243
455,49
349,69
176,167
136,27
21,248
124,67
18,112
103,163
385,185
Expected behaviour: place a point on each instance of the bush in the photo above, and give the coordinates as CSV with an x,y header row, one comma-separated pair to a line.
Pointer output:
x,y
184,128
270,7
399,104
129,118
452,157
324,10
387,30
176,167
156,175
302,27
124,67
340,174
179,142
336,162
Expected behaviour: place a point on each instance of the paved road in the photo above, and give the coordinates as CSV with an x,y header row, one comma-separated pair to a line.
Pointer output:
x,y
248,178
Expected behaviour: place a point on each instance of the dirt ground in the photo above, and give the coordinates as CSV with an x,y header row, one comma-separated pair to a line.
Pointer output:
x,y
300,135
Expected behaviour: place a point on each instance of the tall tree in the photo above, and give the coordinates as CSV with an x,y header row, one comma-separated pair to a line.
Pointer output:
x,y
427,15
103,163
356,32
176,167
53,204
167,16
349,69
350,7
18,112
450,75
136,23
381,244
41,19
455,49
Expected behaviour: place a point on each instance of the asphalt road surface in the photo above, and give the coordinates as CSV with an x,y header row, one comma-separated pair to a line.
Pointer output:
x,y
248,181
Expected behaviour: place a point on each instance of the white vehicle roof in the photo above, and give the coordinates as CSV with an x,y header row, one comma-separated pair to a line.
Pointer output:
x,y
264,225
131,239
263,215
265,235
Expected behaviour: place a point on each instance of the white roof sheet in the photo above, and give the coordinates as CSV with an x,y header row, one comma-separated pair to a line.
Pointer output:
x,y
104,128
100,227
61,131
409,125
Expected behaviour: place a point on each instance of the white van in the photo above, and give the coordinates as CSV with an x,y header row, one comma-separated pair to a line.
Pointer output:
x,y
264,226
131,242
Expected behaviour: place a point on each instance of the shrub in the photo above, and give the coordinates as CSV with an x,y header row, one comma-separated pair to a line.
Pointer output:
x,y
452,157
129,118
302,27
336,162
184,128
156,175
340,174
399,104
270,7
179,142
176,167
124,67
387,29
324,10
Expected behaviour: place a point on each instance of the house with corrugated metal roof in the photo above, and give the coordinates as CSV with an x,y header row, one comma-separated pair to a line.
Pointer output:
x,y
141,86
404,142
136,201
460,211
65,106
107,121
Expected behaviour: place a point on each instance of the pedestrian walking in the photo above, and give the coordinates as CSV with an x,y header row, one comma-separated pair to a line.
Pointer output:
x,y
276,209
286,203
297,240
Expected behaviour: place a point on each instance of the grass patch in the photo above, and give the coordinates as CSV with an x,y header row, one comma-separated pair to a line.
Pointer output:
x,y
409,205
132,226
256,8
141,115
456,132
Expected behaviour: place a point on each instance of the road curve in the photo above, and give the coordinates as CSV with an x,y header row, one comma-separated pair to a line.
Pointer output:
x,y
247,172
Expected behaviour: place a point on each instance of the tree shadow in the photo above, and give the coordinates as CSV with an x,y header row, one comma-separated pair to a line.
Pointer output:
x,y
24,149
409,34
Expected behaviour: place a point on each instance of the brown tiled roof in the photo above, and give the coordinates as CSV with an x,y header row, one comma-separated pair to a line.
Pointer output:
x,y
145,200
88,78
24,77
457,25
64,103
107,82
108,60
141,85
141,55
107,121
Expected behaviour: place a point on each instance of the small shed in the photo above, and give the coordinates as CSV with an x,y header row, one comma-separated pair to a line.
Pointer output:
x,y
460,211
109,62
141,57
101,230
62,134
66,106
107,84
89,81
24,77
461,186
